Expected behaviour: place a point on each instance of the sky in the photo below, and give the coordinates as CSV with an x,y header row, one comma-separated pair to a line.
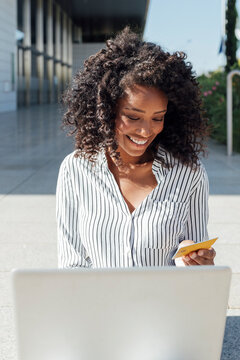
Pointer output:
x,y
192,26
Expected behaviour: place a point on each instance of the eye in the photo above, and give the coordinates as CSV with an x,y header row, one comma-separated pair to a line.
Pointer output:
x,y
159,119
132,117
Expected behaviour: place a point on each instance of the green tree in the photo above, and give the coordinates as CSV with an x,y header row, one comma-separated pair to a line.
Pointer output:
x,y
231,42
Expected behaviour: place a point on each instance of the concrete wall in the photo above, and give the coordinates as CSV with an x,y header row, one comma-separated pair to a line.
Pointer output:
x,y
8,59
82,51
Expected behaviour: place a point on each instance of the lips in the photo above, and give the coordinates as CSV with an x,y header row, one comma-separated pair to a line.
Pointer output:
x,y
137,139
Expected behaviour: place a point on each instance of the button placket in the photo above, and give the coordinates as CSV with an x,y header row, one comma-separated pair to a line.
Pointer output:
x,y
127,243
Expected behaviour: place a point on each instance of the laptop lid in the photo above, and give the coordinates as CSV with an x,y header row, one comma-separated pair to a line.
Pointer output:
x,y
163,313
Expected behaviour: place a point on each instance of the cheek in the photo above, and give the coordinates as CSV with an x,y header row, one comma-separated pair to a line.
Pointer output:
x,y
123,126
159,128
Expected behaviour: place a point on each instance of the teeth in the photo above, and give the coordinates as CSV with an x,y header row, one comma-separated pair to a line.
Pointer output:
x,y
138,142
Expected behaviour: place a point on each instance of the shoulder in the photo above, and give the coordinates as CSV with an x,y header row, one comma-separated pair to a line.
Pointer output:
x,y
71,163
175,164
195,176
200,177
78,166
200,172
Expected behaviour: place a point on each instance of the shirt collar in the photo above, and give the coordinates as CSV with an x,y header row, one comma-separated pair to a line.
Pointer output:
x,y
157,168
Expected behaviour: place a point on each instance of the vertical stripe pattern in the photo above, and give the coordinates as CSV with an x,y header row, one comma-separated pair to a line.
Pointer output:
x,y
96,228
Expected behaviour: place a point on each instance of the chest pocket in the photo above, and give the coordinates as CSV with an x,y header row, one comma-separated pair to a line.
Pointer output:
x,y
165,224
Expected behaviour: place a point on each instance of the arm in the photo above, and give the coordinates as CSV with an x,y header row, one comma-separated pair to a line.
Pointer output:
x,y
196,225
71,252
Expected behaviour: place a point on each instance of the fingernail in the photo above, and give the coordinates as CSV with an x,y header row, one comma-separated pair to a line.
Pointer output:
x,y
186,258
200,253
193,255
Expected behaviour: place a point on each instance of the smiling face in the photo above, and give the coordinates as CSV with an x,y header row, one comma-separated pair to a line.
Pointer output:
x,y
140,118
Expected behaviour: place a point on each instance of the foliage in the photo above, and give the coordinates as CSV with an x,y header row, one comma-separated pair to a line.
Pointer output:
x,y
213,86
231,42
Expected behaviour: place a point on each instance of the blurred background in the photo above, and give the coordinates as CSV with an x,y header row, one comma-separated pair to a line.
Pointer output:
x,y
42,45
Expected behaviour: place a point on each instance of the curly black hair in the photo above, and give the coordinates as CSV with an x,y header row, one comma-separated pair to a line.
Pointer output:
x,y
127,60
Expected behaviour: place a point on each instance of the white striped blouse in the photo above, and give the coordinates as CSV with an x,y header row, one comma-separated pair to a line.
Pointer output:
x,y
96,228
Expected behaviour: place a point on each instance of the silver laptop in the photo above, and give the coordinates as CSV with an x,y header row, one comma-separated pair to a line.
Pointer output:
x,y
163,313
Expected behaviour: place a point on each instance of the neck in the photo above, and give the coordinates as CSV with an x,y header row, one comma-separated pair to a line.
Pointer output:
x,y
144,164
135,160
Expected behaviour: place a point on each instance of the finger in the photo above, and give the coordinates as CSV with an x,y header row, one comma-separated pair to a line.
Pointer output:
x,y
207,253
187,259
185,262
200,260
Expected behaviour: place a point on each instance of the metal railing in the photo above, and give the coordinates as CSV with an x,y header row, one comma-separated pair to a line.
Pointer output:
x,y
229,111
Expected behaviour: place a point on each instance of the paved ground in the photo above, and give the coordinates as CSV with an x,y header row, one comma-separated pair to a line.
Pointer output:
x,y
32,147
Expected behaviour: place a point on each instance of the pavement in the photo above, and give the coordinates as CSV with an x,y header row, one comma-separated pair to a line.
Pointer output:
x,y
32,146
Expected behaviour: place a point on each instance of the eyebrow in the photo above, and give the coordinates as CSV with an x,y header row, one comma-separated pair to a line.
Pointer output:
x,y
135,109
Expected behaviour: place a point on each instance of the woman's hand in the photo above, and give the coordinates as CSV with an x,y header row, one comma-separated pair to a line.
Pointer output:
x,y
199,257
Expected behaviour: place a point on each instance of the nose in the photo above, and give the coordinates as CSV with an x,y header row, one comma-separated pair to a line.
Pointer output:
x,y
145,129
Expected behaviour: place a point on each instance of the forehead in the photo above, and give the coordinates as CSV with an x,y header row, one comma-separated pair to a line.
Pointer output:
x,y
139,95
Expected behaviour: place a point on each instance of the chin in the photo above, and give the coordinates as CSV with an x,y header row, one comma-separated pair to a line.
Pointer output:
x,y
135,153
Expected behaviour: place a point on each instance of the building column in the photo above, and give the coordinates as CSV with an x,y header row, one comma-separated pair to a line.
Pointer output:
x,y
20,63
64,50
50,49
58,53
40,48
20,97
69,50
27,51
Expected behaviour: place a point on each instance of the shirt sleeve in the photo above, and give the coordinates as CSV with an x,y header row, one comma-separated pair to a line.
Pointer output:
x,y
198,213
71,252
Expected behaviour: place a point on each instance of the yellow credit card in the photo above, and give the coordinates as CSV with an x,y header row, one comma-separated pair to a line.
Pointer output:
x,y
185,250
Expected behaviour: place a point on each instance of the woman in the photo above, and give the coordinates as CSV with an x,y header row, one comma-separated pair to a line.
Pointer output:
x,y
134,189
